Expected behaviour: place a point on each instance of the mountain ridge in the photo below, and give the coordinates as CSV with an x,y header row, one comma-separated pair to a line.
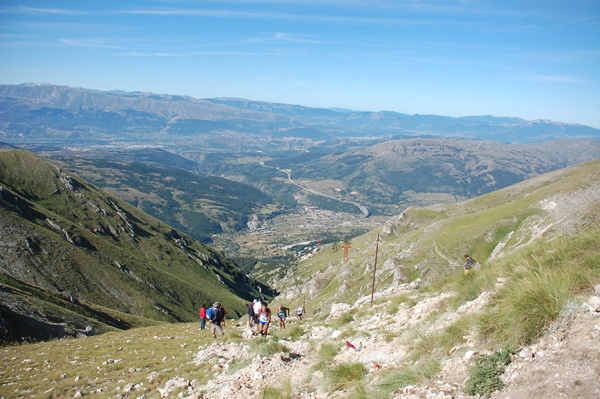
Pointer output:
x,y
42,111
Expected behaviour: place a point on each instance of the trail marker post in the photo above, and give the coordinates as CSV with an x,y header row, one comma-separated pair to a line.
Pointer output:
x,y
375,268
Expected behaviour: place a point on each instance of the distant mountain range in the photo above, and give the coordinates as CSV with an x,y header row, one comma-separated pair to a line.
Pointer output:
x,y
75,115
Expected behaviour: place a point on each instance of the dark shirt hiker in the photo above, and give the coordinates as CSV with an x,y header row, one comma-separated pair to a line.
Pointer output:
x,y
216,319
250,314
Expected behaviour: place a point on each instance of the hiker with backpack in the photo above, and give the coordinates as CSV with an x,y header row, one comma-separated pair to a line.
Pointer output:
x,y
224,314
216,318
264,319
469,263
282,314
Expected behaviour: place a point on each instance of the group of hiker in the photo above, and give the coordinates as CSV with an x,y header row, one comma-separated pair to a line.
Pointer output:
x,y
215,316
259,314
259,317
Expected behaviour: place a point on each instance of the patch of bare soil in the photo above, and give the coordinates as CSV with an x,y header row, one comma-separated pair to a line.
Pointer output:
x,y
561,365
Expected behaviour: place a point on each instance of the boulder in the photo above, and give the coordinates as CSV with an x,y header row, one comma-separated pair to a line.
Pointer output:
x,y
594,303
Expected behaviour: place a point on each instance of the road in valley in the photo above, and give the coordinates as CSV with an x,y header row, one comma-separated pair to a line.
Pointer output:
x,y
362,208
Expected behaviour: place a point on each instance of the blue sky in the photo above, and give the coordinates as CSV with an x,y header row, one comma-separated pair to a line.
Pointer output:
x,y
531,59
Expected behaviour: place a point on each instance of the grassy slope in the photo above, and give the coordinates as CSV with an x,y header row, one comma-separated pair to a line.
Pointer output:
x,y
118,257
199,206
148,357
429,242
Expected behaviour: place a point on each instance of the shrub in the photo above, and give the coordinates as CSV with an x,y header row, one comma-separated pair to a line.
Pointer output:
x,y
346,318
395,303
485,374
402,377
328,351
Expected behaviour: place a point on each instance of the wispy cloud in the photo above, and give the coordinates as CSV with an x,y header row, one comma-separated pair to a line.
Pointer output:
x,y
153,54
560,79
90,43
33,10
337,18
294,38
286,38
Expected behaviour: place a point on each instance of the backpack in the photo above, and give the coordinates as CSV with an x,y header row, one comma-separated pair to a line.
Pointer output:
x,y
216,315
209,313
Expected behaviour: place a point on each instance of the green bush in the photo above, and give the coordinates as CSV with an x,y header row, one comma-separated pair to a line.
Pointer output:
x,y
295,332
485,374
346,318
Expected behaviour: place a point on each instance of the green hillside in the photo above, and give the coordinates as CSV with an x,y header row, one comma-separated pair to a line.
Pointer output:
x,y
61,235
427,244
198,206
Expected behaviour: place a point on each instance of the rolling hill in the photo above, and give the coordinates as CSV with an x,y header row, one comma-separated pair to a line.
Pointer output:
x,y
393,174
76,258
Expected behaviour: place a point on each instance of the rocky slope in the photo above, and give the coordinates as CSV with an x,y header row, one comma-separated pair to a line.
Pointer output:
x,y
564,363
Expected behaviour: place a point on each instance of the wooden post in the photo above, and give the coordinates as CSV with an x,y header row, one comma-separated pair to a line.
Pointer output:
x,y
375,268
346,247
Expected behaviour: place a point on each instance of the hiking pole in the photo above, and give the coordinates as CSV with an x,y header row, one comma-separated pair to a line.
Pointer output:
x,y
375,268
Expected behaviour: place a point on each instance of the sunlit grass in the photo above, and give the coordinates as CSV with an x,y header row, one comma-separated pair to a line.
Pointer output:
x,y
104,364
543,280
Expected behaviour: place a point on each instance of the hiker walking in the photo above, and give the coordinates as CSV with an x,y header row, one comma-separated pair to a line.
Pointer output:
x,y
202,317
264,320
250,315
216,317
224,314
300,312
469,263
257,306
282,314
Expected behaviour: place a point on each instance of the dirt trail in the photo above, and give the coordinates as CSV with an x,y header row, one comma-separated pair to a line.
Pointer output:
x,y
564,363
